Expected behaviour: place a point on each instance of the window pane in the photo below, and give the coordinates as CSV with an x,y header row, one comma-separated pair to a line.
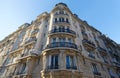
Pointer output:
x,y
67,61
56,60
54,40
71,61
94,67
52,60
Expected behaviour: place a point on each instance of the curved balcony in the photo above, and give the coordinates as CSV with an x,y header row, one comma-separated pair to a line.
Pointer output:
x,y
62,44
62,73
61,31
102,50
97,73
88,44
71,67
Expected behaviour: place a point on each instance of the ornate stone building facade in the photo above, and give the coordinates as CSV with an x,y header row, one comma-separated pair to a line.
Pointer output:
x,y
59,45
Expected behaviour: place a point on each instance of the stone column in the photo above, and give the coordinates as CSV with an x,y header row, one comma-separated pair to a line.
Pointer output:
x,y
30,64
78,62
44,62
62,59
71,22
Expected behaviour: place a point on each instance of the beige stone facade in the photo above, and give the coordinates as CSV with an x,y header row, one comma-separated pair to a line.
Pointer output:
x,y
59,45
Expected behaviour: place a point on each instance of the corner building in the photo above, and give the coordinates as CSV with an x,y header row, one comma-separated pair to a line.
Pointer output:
x,y
59,45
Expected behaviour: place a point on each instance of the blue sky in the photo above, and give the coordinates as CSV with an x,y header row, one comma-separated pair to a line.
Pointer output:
x,y
101,14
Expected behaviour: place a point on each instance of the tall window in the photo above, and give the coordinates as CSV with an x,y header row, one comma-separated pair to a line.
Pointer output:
x,y
60,19
63,40
54,62
118,73
7,61
55,19
67,20
70,40
24,67
70,62
54,40
95,70
2,70
60,40
111,73
94,67
105,59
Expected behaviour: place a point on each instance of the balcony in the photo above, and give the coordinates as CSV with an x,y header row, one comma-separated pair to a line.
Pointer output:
x,y
83,33
62,44
97,73
91,55
53,67
88,44
71,67
62,30
115,53
102,50
32,39
30,53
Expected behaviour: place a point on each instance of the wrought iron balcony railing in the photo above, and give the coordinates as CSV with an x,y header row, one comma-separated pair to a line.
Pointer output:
x,y
62,44
100,49
53,67
97,73
71,67
35,31
91,55
62,30
88,42
83,33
